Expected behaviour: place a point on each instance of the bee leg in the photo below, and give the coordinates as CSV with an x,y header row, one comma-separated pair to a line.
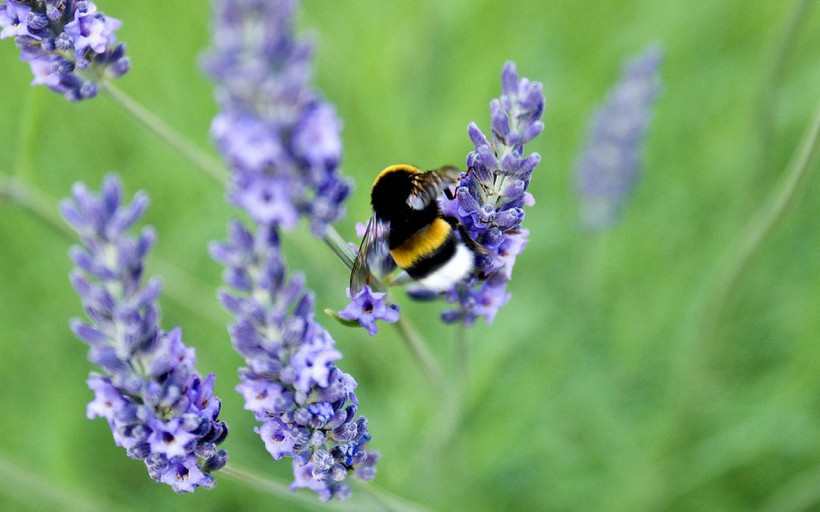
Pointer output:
x,y
466,238
449,194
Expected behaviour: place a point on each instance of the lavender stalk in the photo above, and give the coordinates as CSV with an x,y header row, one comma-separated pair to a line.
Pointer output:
x,y
282,143
608,167
307,406
491,195
157,405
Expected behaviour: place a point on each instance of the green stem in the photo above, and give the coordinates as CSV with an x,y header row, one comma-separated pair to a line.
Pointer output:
x,y
339,247
592,265
379,498
689,382
30,128
420,351
759,228
800,493
797,16
462,356
267,485
36,491
206,163
16,191
386,500
454,401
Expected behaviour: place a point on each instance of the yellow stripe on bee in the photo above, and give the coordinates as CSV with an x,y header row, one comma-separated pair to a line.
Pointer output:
x,y
398,167
421,244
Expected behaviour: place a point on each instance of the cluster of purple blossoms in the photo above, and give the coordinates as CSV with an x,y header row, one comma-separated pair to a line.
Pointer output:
x,y
366,307
159,408
608,167
369,305
69,45
280,138
305,403
490,196
282,143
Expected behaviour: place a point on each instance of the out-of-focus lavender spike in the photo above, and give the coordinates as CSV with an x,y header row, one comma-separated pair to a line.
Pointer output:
x,y
608,167
282,142
280,138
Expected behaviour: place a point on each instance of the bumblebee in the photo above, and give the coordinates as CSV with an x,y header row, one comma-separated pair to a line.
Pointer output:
x,y
408,230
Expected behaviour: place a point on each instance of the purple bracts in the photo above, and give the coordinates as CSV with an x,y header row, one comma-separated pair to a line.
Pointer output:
x,y
609,165
159,408
69,45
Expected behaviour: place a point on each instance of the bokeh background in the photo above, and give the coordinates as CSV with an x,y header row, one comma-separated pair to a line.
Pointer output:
x,y
593,389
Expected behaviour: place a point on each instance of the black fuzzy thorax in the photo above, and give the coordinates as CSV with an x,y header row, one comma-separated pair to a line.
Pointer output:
x,y
389,200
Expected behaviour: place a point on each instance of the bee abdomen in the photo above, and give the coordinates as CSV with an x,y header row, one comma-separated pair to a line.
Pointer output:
x,y
457,267
422,245
435,257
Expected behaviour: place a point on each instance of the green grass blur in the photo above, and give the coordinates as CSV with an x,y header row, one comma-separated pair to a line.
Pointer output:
x,y
592,390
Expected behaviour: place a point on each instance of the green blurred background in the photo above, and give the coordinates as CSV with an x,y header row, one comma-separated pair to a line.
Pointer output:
x,y
593,389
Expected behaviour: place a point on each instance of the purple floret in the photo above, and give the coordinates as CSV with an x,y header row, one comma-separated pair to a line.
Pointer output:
x,y
367,307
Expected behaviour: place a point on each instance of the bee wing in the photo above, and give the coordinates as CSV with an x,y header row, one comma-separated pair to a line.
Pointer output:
x,y
374,255
427,186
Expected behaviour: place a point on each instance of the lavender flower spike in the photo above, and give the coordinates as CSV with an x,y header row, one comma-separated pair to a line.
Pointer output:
x,y
291,383
69,45
491,195
280,138
159,408
608,167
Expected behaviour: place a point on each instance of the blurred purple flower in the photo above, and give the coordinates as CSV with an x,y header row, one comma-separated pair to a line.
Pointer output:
x,y
158,407
69,45
291,383
608,167
490,196
281,139
282,142
367,307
